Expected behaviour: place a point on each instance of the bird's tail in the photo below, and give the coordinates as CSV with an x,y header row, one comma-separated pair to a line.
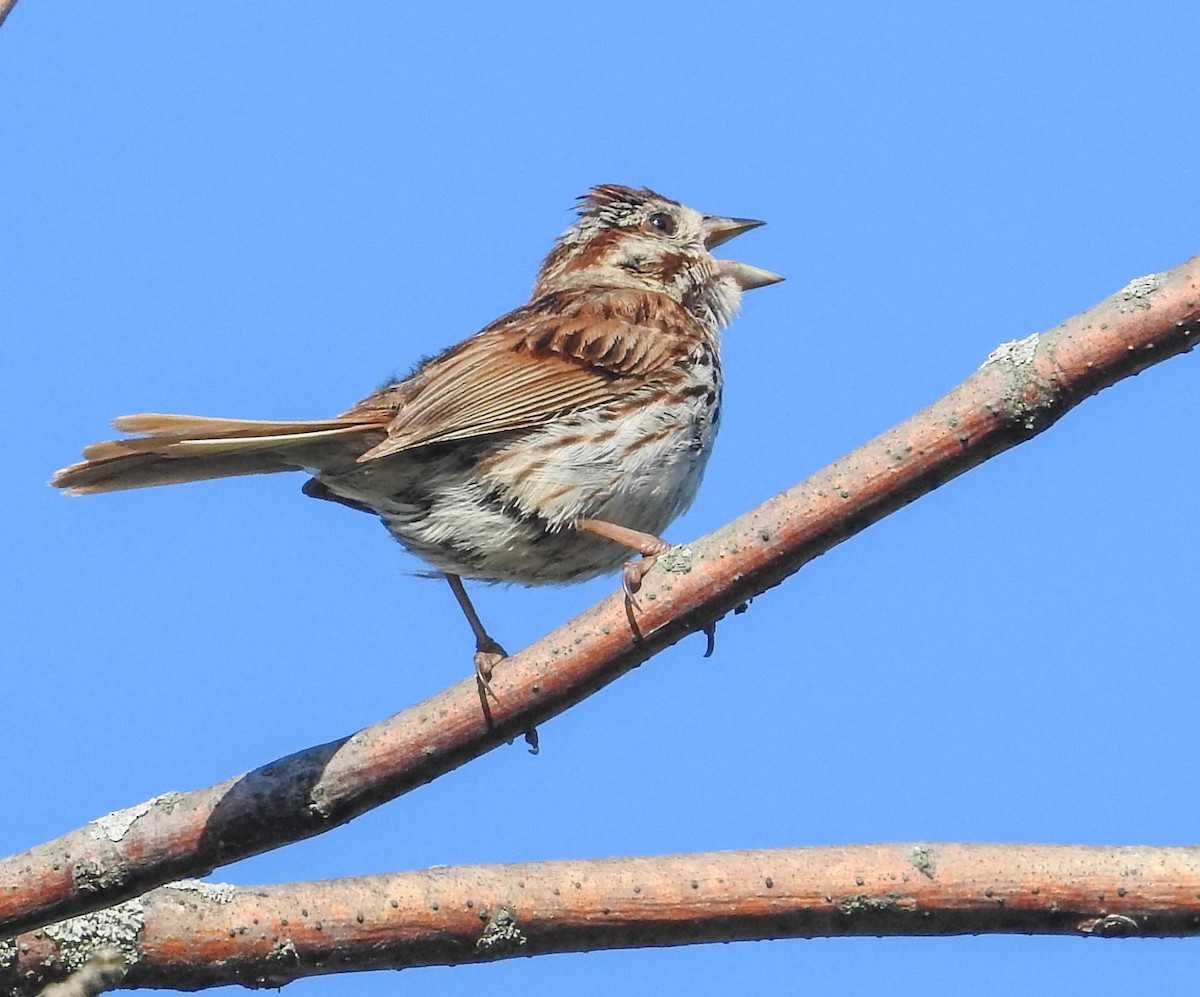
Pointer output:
x,y
176,448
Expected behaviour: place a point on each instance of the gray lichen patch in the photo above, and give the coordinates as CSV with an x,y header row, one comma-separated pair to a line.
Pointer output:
x,y
1110,926
857,903
1135,296
1017,352
501,936
114,826
677,560
284,951
90,875
924,859
218,893
116,927
1025,395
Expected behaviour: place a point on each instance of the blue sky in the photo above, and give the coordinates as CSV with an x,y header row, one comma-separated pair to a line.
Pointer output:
x,y
265,210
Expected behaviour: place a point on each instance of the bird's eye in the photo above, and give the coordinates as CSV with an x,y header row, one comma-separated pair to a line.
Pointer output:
x,y
663,222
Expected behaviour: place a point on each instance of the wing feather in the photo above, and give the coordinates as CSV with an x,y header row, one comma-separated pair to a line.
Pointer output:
x,y
563,353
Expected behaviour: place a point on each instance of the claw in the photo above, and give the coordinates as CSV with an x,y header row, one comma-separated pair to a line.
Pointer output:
x,y
633,573
488,654
531,738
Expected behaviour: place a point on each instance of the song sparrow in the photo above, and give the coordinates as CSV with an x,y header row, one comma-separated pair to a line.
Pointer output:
x,y
543,448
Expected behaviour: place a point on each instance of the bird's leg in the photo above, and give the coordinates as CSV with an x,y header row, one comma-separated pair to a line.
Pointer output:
x,y
646,544
487,651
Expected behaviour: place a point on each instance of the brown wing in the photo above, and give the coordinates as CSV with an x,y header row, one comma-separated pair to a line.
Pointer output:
x,y
562,353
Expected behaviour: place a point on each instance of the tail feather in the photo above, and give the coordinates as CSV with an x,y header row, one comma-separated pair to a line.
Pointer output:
x,y
159,424
181,448
144,470
250,444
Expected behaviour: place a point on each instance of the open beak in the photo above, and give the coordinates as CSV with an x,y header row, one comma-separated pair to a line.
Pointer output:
x,y
718,230
747,277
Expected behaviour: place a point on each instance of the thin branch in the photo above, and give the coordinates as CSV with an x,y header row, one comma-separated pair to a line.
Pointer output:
x,y
6,7
190,935
1021,390
103,971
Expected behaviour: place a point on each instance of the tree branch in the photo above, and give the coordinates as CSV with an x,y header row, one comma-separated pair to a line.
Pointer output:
x,y
193,934
104,970
1022,389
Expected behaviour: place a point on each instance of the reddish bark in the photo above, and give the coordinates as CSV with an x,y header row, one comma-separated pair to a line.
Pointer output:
x,y
1020,391
197,934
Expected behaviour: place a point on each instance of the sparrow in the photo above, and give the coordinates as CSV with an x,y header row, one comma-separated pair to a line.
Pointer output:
x,y
543,449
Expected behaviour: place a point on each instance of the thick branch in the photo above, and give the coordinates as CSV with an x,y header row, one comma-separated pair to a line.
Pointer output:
x,y
195,934
1022,389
